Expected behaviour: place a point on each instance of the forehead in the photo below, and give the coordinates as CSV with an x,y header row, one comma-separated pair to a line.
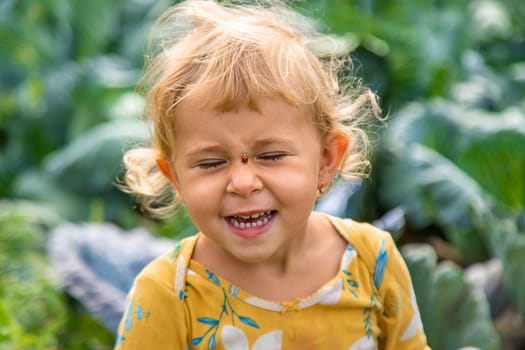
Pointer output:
x,y
205,104
224,95
198,116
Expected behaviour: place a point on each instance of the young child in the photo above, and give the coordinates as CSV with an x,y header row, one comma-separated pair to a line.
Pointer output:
x,y
249,128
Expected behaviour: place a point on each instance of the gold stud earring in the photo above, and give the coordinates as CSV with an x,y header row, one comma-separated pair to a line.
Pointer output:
x,y
320,189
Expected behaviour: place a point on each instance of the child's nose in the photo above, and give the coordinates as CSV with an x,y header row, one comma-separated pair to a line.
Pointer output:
x,y
243,180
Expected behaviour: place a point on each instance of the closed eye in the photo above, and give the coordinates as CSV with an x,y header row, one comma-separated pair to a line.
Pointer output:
x,y
210,164
271,156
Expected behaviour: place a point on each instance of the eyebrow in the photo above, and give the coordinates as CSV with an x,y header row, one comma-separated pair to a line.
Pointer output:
x,y
271,141
205,149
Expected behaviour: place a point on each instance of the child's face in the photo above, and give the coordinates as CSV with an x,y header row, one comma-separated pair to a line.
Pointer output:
x,y
253,211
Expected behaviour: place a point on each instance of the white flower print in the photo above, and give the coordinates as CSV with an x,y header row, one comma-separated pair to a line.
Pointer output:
x,y
415,324
233,338
333,296
365,343
333,293
348,256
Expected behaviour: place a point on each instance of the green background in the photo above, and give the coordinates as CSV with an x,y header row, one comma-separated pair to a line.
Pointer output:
x,y
451,77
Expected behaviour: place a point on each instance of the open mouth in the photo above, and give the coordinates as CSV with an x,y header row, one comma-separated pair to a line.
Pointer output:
x,y
253,220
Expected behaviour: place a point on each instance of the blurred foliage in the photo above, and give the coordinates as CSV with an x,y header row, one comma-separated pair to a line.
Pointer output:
x,y
451,74
452,166
34,313
414,50
455,314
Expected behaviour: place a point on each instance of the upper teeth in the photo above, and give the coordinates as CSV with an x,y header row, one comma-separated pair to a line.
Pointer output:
x,y
254,216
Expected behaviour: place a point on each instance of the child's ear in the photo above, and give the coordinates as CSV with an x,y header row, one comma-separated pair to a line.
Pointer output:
x,y
333,153
165,169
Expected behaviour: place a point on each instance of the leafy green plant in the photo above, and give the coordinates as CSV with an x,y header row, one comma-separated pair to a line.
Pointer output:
x,y
31,308
86,170
508,245
67,73
454,314
417,47
34,312
463,170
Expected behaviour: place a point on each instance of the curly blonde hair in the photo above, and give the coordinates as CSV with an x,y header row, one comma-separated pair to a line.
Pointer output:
x,y
242,53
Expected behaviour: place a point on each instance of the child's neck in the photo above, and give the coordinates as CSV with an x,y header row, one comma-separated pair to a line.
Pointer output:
x,y
311,264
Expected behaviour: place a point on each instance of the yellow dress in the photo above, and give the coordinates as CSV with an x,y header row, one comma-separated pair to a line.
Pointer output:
x,y
176,303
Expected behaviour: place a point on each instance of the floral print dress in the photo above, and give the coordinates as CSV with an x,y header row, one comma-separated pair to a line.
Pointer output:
x,y
176,303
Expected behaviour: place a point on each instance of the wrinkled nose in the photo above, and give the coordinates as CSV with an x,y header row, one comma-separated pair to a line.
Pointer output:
x,y
243,180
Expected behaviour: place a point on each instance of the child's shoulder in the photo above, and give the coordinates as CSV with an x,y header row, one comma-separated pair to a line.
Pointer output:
x,y
168,269
368,240
359,232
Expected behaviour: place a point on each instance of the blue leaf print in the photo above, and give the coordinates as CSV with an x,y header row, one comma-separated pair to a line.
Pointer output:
x,y
234,290
181,295
367,321
367,312
128,323
248,321
175,252
226,311
208,321
139,313
381,261
213,278
196,341
120,339
349,284
211,342
353,283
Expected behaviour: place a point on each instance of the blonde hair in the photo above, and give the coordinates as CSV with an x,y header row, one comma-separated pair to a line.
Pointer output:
x,y
241,53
